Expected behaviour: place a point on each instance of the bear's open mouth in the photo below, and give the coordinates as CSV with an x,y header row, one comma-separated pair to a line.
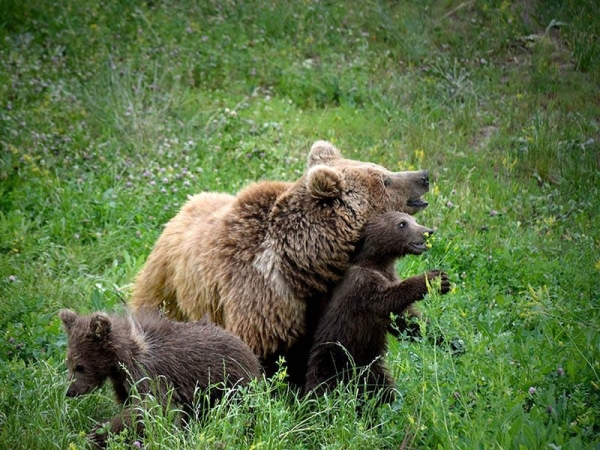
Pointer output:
x,y
419,247
417,203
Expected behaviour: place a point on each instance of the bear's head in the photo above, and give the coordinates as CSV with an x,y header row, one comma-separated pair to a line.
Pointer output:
x,y
90,352
392,235
364,185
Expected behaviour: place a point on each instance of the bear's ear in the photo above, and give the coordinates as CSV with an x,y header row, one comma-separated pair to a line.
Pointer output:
x,y
322,152
325,182
68,318
100,326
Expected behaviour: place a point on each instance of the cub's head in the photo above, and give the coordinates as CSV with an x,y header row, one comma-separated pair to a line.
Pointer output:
x,y
393,234
90,352
367,188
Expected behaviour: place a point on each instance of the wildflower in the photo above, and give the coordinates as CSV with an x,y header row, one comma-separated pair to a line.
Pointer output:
x,y
146,173
449,204
12,278
137,444
129,184
560,372
532,390
419,154
165,180
493,213
152,183
428,240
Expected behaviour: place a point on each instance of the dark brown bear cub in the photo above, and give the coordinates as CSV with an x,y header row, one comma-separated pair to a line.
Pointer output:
x,y
156,354
350,339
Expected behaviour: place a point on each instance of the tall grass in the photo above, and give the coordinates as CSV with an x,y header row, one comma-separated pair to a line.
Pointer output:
x,y
113,113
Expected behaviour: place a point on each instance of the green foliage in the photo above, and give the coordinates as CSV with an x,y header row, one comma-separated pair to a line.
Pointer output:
x,y
113,113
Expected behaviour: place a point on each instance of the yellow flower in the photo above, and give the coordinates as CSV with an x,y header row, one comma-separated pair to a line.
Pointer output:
x,y
419,154
597,265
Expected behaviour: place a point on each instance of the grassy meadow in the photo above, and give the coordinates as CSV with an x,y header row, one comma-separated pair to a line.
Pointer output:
x,y
113,112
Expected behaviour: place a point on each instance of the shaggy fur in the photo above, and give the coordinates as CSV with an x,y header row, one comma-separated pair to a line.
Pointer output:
x,y
156,354
253,262
350,338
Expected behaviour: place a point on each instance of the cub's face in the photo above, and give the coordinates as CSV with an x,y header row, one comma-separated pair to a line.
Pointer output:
x,y
396,234
88,366
411,235
89,355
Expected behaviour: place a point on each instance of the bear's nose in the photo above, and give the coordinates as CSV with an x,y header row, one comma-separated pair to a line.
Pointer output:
x,y
428,232
425,177
71,393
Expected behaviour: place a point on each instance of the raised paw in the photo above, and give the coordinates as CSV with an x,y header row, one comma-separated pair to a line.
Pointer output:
x,y
444,280
98,437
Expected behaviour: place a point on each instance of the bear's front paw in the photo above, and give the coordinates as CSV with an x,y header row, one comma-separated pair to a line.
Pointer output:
x,y
98,436
444,280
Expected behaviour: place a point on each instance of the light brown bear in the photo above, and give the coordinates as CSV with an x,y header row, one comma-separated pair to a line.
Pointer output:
x,y
157,354
256,262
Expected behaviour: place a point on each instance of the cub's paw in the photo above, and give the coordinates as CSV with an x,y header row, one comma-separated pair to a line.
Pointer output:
x,y
98,437
444,280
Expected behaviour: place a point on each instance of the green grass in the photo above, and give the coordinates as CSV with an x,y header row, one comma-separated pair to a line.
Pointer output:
x,y
112,113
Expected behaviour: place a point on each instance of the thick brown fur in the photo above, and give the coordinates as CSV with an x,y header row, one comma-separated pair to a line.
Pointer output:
x,y
155,354
252,262
350,339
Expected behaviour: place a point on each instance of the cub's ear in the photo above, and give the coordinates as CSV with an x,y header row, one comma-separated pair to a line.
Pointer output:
x,y
322,152
100,326
325,182
68,318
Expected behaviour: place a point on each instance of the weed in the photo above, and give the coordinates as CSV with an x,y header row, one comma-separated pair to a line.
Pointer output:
x,y
113,113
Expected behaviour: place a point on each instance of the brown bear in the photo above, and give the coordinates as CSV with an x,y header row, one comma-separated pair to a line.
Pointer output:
x,y
255,261
350,339
156,355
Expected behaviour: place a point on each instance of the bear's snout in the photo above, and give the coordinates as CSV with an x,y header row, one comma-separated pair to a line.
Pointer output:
x,y
72,392
425,177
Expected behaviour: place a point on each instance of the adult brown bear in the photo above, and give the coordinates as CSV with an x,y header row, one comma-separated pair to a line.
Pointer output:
x,y
256,261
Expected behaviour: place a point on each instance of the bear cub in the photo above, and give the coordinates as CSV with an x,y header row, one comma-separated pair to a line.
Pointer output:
x,y
350,338
156,355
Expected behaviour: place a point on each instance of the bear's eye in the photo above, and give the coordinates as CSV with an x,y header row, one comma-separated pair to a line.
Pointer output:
x,y
79,368
402,224
387,181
